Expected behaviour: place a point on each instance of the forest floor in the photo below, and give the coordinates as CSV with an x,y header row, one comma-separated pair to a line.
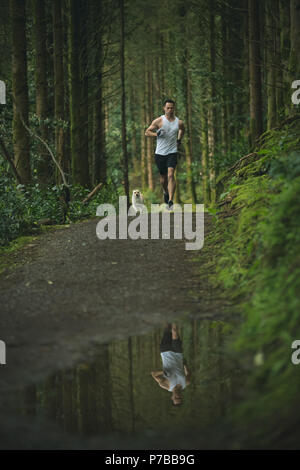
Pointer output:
x,y
68,291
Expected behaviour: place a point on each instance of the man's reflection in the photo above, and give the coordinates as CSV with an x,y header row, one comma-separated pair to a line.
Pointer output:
x,y
175,375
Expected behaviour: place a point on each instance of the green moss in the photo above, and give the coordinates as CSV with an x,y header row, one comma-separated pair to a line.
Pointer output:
x,y
6,260
257,259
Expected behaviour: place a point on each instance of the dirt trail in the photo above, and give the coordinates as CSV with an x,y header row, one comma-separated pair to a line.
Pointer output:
x,y
73,290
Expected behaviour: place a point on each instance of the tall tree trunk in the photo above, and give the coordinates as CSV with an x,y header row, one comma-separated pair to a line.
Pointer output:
x,y
204,154
123,104
224,117
270,45
279,64
212,109
21,141
41,96
230,95
256,113
144,139
285,89
245,74
189,142
59,93
67,136
99,161
50,60
162,67
294,64
83,109
149,141
157,88
80,167
134,146
143,160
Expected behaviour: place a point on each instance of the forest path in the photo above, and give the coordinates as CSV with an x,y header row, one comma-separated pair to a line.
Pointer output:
x,y
71,291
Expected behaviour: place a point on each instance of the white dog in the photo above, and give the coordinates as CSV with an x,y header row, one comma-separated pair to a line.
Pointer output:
x,y
137,200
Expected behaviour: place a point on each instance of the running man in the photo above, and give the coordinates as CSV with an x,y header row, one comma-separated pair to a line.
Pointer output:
x,y
169,131
175,375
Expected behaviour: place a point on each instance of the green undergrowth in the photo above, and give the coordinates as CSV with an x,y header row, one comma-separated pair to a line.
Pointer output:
x,y
22,208
257,256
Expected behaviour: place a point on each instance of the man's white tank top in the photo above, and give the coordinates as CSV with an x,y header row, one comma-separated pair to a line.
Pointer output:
x,y
167,143
173,369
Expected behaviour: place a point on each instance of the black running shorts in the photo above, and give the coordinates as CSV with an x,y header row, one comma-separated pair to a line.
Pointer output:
x,y
169,344
164,162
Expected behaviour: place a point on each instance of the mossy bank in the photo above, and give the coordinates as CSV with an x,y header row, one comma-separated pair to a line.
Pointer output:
x,y
256,241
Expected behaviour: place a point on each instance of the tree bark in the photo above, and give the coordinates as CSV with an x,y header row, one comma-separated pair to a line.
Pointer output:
x,y
80,172
256,114
224,116
21,142
212,110
134,146
245,74
188,140
143,160
84,96
204,154
145,124
284,98
270,47
59,92
149,119
44,171
294,62
123,103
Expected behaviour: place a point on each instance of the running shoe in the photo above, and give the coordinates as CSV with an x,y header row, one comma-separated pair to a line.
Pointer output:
x,y
170,205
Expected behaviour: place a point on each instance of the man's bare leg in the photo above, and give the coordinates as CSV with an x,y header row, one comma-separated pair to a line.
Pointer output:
x,y
164,182
171,183
175,334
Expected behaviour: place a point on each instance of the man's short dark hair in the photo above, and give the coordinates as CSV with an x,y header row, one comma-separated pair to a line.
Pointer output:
x,y
168,101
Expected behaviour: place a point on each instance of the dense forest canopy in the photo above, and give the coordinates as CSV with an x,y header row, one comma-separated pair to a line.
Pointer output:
x,y
80,83
86,78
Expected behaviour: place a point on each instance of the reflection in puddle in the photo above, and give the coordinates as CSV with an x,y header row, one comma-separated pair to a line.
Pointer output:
x,y
175,376
132,385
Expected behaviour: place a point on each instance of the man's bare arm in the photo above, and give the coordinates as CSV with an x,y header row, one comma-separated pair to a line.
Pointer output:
x,y
151,131
181,130
164,384
187,375
156,373
160,379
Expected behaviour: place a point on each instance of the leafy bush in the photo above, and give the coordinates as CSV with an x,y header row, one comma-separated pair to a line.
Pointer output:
x,y
258,262
13,209
21,208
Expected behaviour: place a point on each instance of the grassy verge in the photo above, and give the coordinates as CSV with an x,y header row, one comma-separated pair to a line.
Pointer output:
x,y
23,209
256,240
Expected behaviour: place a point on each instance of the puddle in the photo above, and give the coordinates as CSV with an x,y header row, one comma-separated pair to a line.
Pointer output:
x,y
114,394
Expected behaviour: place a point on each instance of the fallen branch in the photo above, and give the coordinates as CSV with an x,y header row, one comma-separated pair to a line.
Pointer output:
x,y
227,200
224,215
92,193
241,159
